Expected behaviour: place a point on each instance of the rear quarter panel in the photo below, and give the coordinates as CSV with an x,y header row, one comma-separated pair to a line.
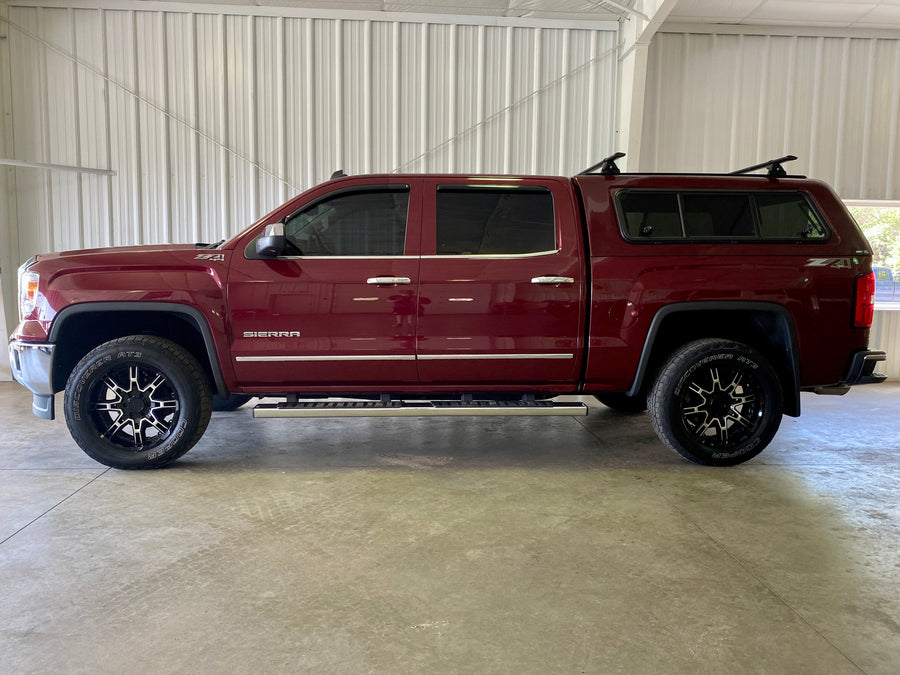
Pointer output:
x,y
631,282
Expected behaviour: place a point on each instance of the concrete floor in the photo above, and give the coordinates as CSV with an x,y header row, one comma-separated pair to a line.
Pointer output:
x,y
492,545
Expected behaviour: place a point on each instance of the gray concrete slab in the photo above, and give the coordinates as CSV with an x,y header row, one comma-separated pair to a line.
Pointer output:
x,y
455,545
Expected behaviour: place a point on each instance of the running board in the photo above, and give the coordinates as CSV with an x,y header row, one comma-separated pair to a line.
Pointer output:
x,y
417,408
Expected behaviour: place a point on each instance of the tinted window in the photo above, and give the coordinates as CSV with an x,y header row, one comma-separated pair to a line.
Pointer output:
x,y
484,221
717,215
648,215
788,216
651,215
366,223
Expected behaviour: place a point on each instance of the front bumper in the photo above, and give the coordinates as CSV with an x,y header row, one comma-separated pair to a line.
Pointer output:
x,y
32,366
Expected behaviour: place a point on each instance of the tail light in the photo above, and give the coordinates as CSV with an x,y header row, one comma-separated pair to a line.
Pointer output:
x,y
865,301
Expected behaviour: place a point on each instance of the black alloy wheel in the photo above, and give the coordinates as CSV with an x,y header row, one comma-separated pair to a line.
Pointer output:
x,y
137,403
716,402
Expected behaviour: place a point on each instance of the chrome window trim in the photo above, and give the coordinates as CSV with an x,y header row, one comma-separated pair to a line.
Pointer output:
x,y
491,256
345,257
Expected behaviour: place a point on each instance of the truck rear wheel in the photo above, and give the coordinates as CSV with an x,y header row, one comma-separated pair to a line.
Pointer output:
x,y
138,402
716,402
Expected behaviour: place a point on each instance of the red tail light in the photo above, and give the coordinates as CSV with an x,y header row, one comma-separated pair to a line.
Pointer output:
x,y
865,301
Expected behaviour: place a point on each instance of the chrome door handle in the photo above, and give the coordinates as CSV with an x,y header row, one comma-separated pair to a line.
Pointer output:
x,y
553,280
379,281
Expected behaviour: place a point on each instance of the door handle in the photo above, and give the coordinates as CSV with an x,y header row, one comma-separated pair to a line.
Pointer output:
x,y
379,281
553,280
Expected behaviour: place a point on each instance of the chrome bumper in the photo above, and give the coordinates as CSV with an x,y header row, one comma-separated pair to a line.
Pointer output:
x,y
32,366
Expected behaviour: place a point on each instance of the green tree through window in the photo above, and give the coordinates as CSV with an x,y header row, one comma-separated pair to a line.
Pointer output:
x,y
881,225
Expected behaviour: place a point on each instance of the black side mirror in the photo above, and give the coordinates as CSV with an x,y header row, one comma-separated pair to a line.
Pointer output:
x,y
271,243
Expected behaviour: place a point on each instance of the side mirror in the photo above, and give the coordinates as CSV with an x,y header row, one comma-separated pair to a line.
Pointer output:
x,y
271,243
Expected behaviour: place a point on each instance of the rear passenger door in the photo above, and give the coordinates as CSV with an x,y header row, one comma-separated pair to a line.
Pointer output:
x,y
501,287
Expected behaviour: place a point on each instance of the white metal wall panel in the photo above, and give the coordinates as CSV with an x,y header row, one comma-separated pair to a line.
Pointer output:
x,y
719,102
885,335
124,128
32,187
211,119
93,122
181,100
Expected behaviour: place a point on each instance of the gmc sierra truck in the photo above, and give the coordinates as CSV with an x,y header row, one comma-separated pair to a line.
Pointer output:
x,y
712,301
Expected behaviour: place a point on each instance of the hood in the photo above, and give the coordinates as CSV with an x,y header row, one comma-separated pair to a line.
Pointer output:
x,y
126,251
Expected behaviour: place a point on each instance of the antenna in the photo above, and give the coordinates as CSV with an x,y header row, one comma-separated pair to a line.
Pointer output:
x,y
775,170
607,166
338,174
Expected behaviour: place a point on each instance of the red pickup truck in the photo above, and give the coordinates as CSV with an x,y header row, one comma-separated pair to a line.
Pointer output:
x,y
712,301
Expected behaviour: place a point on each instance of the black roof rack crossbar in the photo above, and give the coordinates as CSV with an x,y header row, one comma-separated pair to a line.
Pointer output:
x,y
775,170
607,166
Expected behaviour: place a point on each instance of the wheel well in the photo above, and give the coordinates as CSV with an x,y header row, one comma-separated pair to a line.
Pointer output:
x,y
81,332
767,330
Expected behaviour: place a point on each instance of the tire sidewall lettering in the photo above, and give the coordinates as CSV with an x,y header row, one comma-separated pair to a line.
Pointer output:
x,y
687,368
721,356
156,355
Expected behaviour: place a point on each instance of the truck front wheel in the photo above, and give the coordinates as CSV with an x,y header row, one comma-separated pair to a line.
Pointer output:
x,y
716,402
138,402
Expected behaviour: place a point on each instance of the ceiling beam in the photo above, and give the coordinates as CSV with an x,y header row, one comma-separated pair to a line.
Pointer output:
x,y
628,11
634,45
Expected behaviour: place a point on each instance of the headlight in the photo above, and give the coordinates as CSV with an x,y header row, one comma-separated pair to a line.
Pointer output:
x,y
28,289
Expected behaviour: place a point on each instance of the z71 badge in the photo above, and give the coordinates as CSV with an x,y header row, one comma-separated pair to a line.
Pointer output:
x,y
215,257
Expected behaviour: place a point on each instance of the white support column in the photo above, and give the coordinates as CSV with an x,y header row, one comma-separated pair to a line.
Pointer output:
x,y
9,223
635,34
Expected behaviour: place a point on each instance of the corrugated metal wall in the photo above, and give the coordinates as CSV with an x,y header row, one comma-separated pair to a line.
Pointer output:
x,y
720,102
885,335
212,119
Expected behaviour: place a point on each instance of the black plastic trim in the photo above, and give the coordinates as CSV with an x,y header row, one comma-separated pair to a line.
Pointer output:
x,y
164,307
791,405
861,369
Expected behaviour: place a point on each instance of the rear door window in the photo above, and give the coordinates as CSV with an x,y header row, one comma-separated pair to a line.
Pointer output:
x,y
494,221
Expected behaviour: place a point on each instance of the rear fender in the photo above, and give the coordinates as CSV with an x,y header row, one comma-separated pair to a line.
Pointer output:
x,y
767,327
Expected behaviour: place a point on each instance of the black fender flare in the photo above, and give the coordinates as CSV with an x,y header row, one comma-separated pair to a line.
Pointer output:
x,y
792,394
192,314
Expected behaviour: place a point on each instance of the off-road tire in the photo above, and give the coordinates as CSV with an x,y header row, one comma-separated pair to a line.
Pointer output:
x,y
138,402
716,402
622,403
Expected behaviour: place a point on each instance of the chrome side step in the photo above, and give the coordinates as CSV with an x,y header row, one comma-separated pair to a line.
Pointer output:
x,y
417,408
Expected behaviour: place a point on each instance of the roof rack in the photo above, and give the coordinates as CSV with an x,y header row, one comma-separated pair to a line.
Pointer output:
x,y
607,166
775,170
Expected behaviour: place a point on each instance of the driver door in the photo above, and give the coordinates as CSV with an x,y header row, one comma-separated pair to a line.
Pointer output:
x,y
338,308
